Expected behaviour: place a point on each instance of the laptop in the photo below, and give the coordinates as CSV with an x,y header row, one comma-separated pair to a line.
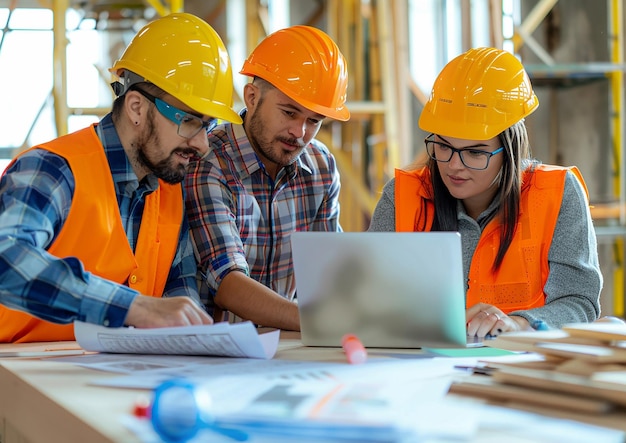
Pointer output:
x,y
391,289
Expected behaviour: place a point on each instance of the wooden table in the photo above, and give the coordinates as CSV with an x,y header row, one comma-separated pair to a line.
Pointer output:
x,y
49,402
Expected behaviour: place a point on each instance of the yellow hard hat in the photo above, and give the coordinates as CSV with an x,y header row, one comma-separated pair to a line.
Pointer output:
x,y
478,95
305,64
184,56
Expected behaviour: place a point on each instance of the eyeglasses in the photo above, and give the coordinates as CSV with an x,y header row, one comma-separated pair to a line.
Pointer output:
x,y
470,157
188,124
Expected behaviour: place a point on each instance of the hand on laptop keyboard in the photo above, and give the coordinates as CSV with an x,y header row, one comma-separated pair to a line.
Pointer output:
x,y
483,319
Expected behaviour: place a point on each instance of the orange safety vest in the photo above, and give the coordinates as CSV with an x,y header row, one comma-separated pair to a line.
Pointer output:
x,y
93,233
519,282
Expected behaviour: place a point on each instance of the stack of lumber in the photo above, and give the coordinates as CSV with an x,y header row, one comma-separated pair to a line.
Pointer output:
x,y
583,372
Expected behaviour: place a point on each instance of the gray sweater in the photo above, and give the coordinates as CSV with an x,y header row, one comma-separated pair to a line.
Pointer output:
x,y
575,281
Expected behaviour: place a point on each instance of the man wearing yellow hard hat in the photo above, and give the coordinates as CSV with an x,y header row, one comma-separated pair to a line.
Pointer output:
x,y
269,177
92,224
529,247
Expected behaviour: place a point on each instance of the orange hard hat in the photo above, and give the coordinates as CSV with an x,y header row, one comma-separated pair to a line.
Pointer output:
x,y
185,57
478,95
305,64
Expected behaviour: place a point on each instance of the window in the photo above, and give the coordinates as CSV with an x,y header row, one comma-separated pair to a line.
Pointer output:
x,y
27,114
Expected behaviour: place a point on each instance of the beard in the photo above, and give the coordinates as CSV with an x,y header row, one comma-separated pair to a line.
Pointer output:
x,y
265,147
166,169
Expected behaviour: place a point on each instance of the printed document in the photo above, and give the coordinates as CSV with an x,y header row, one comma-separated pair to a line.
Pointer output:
x,y
221,339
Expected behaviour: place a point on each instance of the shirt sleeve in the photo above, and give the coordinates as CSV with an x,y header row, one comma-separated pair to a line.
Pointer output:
x,y
384,216
36,194
575,280
211,209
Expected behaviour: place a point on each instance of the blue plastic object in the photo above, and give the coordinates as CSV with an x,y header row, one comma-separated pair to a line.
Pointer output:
x,y
181,409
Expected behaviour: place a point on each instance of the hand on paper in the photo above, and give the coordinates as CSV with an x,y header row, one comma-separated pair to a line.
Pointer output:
x,y
483,319
151,312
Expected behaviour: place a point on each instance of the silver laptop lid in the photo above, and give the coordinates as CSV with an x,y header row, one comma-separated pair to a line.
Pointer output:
x,y
391,289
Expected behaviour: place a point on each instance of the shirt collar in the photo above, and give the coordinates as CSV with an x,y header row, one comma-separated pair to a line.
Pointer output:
x,y
486,216
122,172
251,162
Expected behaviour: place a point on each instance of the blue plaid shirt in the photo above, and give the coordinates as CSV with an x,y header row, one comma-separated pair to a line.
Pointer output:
x,y
35,198
241,219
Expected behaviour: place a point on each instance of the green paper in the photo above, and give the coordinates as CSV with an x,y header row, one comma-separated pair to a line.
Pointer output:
x,y
470,352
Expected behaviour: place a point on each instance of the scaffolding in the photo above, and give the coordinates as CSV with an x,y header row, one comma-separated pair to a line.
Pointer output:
x,y
383,98
555,75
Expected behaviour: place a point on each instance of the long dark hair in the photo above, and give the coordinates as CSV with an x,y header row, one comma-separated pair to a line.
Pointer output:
x,y
517,160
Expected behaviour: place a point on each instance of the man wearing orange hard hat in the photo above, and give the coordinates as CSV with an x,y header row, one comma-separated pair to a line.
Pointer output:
x,y
268,177
92,224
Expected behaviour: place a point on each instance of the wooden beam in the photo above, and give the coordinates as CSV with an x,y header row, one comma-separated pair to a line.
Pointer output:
x,y
532,21
59,89
496,39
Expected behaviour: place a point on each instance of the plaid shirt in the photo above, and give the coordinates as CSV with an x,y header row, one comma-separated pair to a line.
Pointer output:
x,y
241,219
35,198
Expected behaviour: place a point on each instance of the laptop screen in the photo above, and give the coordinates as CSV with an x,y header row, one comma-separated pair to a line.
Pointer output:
x,y
392,289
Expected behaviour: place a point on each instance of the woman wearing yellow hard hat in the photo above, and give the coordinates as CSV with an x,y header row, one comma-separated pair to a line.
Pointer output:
x,y
529,247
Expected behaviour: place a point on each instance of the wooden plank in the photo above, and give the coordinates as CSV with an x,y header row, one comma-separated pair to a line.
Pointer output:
x,y
485,388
